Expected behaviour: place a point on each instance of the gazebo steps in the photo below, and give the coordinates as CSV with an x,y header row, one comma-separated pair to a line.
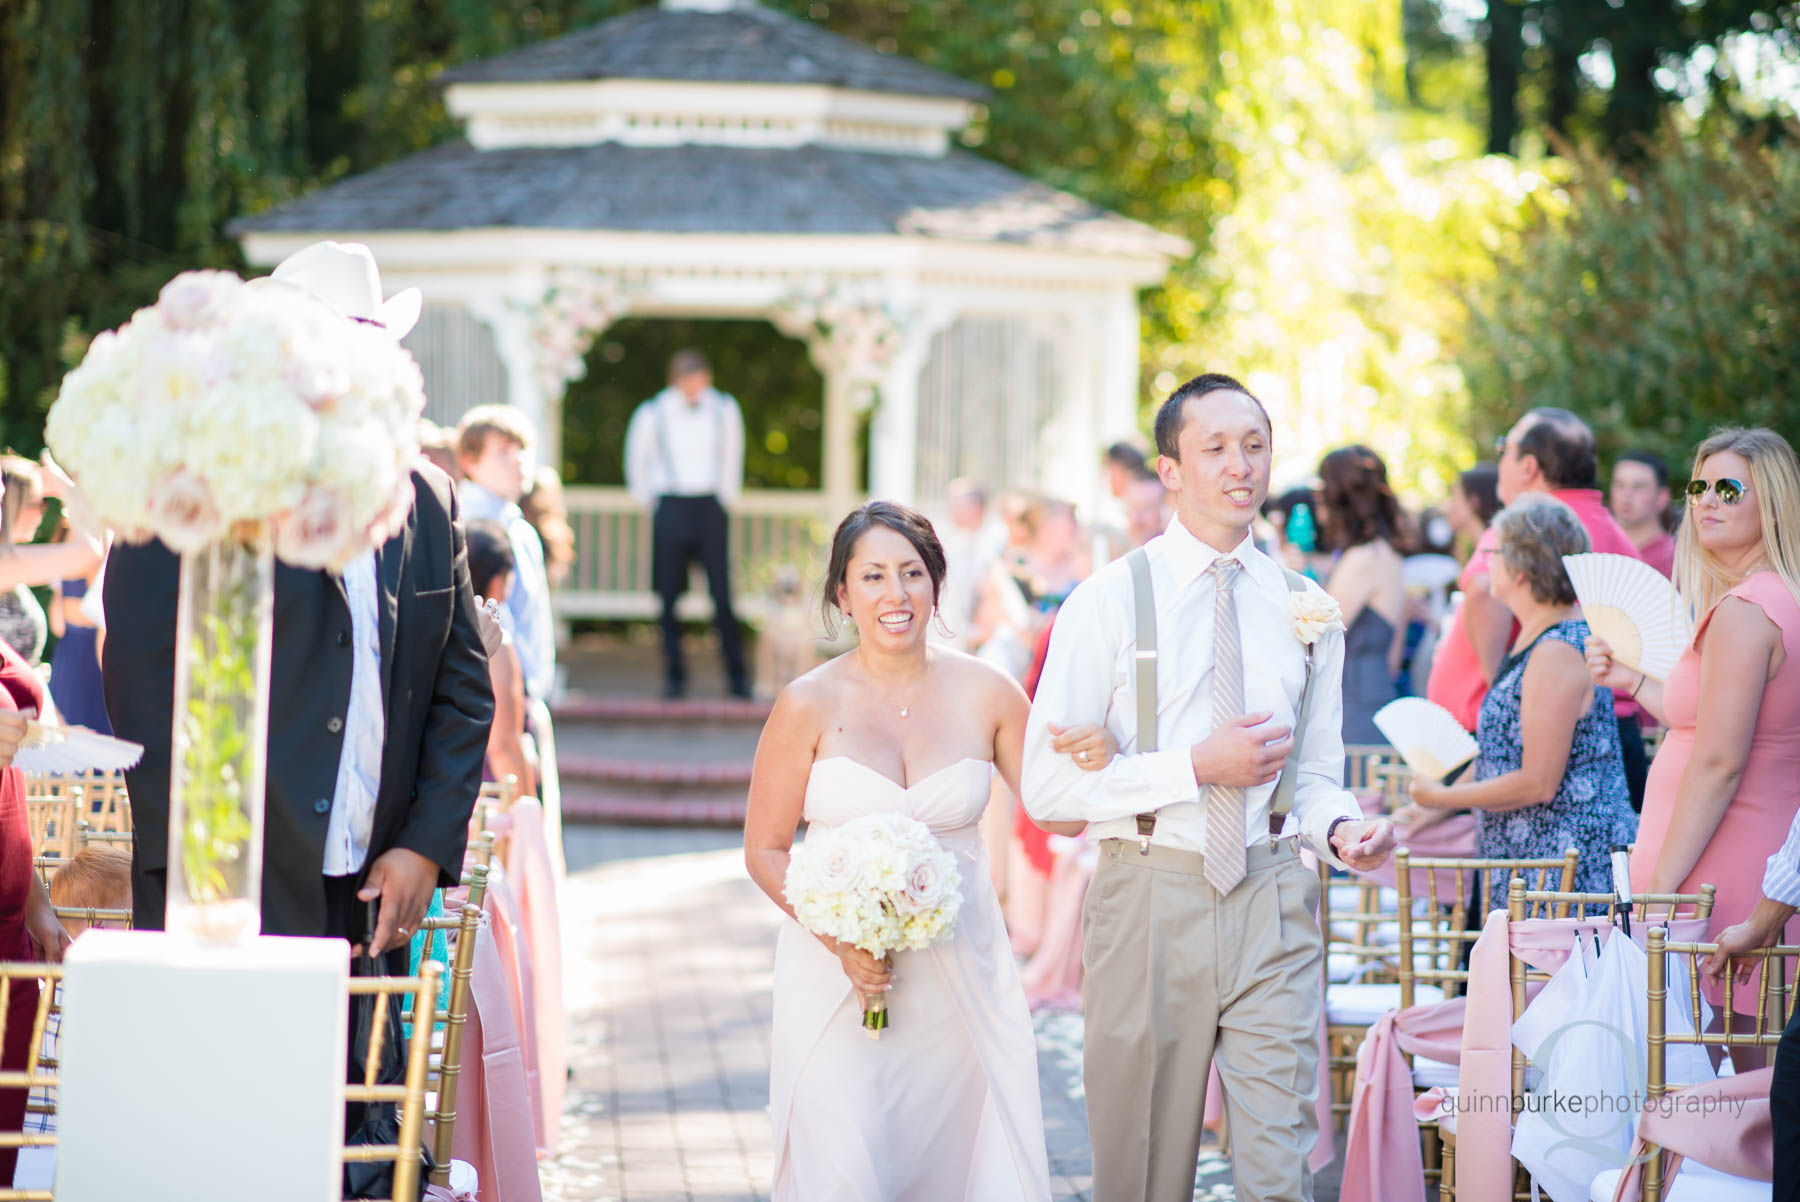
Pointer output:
x,y
718,809
576,708
652,774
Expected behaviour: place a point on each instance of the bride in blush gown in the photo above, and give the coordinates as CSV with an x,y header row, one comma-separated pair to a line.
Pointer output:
x,y
944,1106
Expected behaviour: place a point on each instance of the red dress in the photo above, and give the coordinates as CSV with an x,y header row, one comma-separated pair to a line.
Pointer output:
x,y
1756,820
21,690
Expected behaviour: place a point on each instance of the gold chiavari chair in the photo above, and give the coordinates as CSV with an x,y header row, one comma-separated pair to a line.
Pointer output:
x,y
53,812
446,1066
405,1151
1774,1003
495,799
107,806
37,1074
1436,933
1523,903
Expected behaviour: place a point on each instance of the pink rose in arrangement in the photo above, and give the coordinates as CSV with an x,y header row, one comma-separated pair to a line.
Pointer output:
x,y
195,300
316,533
183,513
928,882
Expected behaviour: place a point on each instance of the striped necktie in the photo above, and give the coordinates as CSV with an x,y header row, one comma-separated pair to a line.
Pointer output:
x,y
1225,847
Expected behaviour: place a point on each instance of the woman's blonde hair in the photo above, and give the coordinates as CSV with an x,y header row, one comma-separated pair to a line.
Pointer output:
x,y
1775,487
24,488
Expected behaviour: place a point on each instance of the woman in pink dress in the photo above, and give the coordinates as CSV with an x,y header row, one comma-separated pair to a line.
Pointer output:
x,y
1723,789
944,1107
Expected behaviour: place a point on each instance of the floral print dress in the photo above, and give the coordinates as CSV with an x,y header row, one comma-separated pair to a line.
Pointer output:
x,y
1591,810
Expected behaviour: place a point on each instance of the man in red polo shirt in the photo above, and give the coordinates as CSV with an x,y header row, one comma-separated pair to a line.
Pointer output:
x,y
1548,451
1640,500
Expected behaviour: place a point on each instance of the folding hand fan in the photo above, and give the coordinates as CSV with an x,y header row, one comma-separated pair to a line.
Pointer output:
x,y
61,750
1634,608
1427,736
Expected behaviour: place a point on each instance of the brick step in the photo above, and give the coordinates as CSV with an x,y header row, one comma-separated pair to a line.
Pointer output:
x,y
577,708
619,771
638,810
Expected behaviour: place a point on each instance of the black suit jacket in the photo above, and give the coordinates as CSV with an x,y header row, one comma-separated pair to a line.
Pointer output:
x,y
434,681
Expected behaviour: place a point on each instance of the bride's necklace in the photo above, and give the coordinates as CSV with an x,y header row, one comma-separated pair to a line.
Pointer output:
x,y
905,707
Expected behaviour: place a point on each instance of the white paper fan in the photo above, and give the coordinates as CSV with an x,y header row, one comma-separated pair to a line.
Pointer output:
x,y
62,750
1634,608
1427,736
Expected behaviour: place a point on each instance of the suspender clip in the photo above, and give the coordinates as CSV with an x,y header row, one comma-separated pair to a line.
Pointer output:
x,y
1146,824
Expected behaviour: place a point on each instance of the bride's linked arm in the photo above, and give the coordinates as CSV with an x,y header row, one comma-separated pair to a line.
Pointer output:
x,y
784,759
1076,689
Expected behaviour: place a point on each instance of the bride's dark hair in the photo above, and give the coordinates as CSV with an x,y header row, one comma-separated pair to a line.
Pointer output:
x,y
910,523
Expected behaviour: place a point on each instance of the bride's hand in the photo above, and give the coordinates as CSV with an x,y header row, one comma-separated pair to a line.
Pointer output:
x,y
868,975
1092,747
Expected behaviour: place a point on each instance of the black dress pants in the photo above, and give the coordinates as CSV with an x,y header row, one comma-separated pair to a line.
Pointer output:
x,y
1784,1112
1637,760
686,529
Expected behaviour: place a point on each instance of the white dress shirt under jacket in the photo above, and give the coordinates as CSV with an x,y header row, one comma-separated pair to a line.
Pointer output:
x,y
1090,676
703,455
365,727
532,621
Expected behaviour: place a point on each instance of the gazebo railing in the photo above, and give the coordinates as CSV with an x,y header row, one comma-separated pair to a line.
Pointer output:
x,y
611,578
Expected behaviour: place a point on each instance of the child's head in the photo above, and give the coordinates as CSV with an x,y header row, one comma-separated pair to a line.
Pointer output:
x,y
491,441
490,559
97,877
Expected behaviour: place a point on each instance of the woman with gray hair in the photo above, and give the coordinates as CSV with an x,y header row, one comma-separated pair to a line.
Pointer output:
x,y
1550,775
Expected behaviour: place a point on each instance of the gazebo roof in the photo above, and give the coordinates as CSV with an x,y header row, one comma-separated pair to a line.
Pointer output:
x,y
691,189
742,44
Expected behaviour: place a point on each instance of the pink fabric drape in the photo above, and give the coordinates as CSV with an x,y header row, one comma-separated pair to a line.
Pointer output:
x,y
532,873
1453,838
1484,1124
494,1111
1052,977
1723,1124
1382,1162
515,957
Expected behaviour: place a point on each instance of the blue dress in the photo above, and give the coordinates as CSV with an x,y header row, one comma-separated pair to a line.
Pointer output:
x,y
1591,810
75,671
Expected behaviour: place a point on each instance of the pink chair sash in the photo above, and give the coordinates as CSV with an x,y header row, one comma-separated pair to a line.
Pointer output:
x,y
1723,1124
515,957
1381,1141
494,1110
1484,1089
533,876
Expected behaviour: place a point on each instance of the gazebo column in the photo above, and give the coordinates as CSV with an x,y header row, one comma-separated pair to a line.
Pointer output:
x,y
525,376
840,493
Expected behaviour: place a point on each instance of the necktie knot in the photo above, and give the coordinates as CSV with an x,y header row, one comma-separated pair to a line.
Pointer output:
x,y
1225,572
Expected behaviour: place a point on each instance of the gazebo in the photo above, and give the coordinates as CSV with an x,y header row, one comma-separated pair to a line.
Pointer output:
x,y
719,160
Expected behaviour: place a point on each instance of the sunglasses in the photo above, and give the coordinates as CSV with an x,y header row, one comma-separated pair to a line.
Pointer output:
x,y
1728,490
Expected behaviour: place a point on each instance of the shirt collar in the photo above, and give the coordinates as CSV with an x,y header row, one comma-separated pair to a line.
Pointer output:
x,y
1188,558
482,505
671,397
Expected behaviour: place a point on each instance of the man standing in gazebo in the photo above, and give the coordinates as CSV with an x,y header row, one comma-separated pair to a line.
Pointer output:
x,y
684,460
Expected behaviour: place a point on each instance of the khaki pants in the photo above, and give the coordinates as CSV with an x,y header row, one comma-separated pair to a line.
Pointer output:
x,y
1178,978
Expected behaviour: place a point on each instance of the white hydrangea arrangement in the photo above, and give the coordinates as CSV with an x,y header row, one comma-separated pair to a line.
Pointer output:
x,y
230,405
882,883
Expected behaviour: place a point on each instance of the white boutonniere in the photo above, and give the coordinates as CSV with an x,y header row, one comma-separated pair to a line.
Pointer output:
x,y
1315,615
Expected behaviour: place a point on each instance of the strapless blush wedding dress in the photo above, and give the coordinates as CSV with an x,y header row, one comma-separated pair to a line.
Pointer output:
x,y
944,1106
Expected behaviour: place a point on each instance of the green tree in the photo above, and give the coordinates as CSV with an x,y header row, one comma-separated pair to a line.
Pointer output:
x,y
1657,298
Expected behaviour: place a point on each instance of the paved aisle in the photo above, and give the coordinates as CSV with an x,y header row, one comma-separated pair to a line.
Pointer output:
x,y
669,952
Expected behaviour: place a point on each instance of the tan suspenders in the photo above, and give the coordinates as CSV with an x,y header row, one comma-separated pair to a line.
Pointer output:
x,y
1144,601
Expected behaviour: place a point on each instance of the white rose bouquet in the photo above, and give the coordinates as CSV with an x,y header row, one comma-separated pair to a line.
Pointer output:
x,y
227,407
882,883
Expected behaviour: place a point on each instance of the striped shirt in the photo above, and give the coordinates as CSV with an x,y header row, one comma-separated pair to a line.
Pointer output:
x,y
1781,880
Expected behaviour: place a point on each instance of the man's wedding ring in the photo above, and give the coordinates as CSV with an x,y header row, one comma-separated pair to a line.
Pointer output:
x,y
401,931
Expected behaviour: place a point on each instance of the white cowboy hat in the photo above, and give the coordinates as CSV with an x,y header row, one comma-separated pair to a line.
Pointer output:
x,y
344,276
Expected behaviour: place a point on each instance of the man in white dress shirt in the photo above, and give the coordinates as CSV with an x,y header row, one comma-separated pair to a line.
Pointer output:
x,y
1201,942
684,461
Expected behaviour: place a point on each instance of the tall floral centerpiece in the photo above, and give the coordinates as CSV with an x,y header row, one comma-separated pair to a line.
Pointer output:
x,y
236,422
